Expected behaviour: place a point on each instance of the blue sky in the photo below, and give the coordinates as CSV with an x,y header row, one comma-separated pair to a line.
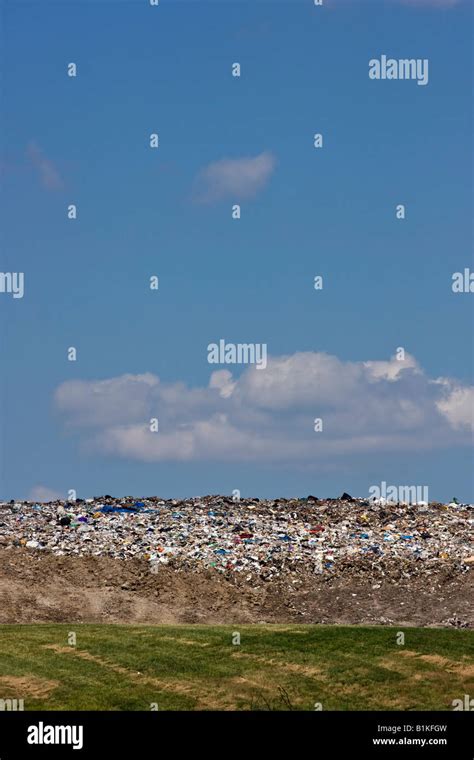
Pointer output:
x,y
83,425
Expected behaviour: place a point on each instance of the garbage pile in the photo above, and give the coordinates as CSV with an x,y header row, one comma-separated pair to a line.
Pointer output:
x,y
249,536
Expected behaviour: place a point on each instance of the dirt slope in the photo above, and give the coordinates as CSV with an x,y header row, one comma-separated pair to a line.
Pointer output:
x,y
38,587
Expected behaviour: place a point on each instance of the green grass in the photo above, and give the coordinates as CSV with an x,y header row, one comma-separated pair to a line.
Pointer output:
x,y
281,667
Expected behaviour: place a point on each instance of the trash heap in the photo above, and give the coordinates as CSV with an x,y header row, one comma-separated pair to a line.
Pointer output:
x,y
249,536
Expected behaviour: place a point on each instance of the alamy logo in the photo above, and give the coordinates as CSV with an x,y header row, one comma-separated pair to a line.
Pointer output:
x,y
42,734
237,353
463,704
405,68
12,282
12,705
463,282
399,494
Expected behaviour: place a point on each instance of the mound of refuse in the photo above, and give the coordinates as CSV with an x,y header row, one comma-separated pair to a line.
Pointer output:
x,y
250,537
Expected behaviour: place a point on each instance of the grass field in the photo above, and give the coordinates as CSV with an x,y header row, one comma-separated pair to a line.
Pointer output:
x,y
117,667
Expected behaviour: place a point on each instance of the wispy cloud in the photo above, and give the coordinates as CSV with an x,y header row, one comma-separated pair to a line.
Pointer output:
x,y
48,174
268,416
236,178
42,493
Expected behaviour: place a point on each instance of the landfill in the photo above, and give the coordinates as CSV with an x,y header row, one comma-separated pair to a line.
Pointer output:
x,y
252,537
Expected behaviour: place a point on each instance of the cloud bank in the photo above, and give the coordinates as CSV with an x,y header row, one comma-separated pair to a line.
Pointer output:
x,y
269,416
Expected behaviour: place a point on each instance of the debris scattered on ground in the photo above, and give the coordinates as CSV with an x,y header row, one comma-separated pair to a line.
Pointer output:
x,y
456,622
258,539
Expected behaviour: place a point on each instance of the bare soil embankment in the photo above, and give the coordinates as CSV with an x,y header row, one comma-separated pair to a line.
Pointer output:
x,y
37,587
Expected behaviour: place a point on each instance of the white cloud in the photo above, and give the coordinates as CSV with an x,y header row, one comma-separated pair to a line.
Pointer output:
x,y
222,380
391,370
458,406
268,415
42,493
235,178
94,404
